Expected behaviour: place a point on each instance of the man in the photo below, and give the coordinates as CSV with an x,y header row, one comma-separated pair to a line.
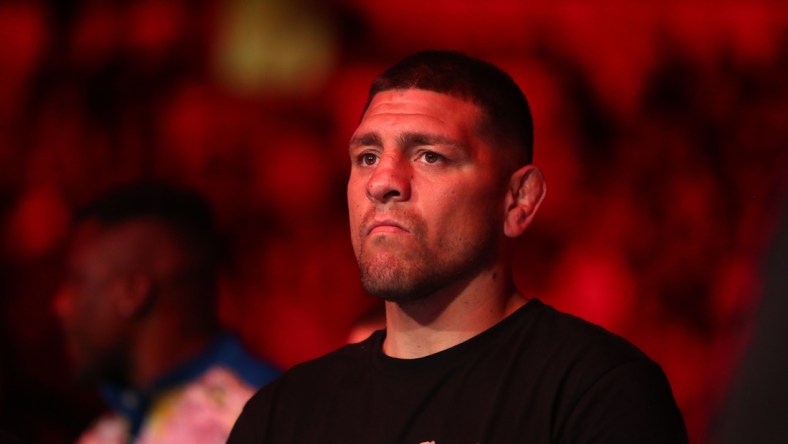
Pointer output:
x,y
139,314
440,185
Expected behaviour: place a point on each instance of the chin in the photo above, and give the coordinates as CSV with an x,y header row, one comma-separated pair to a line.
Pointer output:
x,y
397,295
84,377
398,287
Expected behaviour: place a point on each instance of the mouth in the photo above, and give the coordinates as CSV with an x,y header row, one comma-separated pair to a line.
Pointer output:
x,y
386,226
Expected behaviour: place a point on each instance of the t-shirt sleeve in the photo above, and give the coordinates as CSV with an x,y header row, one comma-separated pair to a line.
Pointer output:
x,y
631,403
252,423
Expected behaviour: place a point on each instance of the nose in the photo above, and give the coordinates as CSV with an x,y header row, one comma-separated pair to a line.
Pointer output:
x,y
390,182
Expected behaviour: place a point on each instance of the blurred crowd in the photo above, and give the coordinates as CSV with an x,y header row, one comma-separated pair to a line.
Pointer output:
x,y
662,131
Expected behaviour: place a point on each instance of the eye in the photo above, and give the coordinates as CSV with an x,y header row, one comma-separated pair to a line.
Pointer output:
x,y
431,157
368,159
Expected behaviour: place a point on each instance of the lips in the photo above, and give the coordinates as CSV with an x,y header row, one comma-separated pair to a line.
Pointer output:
x,y
386,226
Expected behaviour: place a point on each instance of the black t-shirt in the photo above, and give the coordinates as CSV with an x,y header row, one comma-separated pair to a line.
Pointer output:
x,y
538,376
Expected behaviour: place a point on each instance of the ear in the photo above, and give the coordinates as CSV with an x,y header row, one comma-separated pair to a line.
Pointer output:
x,y
134,295
524,196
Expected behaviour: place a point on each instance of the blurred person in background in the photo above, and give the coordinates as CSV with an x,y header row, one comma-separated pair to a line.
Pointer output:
x,y
441,185
756,404
139,313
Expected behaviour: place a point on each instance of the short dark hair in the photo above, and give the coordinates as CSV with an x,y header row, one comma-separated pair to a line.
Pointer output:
x,y
506,114
185,213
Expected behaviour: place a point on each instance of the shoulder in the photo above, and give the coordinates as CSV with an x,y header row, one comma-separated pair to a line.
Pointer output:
x,y
585,353
316,377
570,356
229,352
306,388
605,385
557,334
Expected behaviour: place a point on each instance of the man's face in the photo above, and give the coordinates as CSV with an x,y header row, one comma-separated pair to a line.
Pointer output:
x,y
86,305
425,194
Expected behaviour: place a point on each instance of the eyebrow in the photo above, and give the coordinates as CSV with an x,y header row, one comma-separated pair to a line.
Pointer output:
x,y
412,139
405,140
368,139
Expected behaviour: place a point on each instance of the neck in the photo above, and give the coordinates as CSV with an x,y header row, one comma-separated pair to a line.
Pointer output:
x,y
450,316
162,346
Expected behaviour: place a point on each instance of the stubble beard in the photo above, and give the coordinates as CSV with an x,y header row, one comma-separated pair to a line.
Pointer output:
x,y
402,275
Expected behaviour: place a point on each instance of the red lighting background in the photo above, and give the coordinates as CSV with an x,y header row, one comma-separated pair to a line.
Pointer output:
x,y
661,128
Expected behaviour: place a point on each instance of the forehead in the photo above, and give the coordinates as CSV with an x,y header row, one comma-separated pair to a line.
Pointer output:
x,y
87,252
87,234
416,108
95,244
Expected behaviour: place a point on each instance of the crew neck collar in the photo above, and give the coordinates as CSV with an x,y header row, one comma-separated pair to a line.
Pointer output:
x,y
436,362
